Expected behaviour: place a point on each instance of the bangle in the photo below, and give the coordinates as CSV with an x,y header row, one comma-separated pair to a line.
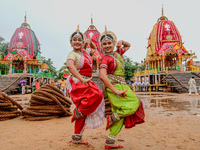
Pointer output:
x,y
83,82
117,94
123,42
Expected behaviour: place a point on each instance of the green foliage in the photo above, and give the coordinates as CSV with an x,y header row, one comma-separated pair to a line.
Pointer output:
x,y
131,67
61,70
4,69
3,48
3,52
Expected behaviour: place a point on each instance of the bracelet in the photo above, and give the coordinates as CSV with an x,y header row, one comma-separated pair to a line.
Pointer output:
x,y
123,42
83,82
117,94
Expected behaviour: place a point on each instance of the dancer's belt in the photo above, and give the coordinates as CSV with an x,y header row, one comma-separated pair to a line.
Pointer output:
x,y
85,77
117,79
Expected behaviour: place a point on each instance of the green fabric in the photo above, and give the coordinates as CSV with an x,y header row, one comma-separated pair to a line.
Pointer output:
x,y
119,70
123,106
120,65
116,127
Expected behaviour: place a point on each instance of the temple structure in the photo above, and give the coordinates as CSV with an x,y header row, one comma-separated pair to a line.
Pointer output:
x,y
93,34
24,54
167,64
165,50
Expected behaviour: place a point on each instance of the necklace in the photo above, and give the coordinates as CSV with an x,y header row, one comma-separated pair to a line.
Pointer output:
x,y
78,52
110,54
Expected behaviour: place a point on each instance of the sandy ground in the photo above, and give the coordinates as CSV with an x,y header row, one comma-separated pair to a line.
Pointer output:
x,y
169,125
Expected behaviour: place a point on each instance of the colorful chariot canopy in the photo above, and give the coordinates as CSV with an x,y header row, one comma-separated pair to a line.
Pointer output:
x,y
93,34
23,43
165,37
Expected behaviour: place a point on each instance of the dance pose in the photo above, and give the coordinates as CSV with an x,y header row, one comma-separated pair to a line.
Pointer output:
x,y
126,107
85,94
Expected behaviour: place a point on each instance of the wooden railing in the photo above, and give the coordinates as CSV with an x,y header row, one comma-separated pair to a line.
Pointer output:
x,y
194,69
154,71
145,72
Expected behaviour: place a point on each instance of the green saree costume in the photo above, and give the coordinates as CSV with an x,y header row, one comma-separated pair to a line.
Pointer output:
x,y
129,108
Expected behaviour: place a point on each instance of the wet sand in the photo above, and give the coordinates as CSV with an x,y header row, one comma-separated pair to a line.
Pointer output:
x,y
172,122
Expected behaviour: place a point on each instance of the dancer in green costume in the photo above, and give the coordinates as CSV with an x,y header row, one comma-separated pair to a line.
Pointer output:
x,y
123,101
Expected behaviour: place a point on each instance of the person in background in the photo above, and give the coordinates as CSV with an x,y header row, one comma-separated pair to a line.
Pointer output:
x,y
192,84
23,88
63,85
53,82
37,85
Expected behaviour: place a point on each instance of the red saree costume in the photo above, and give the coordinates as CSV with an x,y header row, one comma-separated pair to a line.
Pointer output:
x,y
113,65
88,99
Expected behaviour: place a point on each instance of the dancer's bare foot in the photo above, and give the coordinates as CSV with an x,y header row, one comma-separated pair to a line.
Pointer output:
x,y
81,142
115,146
109,122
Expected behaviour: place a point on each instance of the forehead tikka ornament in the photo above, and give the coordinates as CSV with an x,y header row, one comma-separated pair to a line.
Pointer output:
x,y
107,38
78,33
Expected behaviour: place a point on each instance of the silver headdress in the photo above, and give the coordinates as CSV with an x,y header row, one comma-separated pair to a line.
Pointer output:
x,y
107,35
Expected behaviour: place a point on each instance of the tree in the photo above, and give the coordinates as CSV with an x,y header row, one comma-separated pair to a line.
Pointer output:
x,y
131,67
61,70
1,39
3,52
3,48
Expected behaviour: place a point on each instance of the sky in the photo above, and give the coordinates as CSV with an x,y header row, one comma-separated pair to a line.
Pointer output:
x,y
53,21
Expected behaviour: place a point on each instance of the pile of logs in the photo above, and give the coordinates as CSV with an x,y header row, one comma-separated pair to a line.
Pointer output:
x,y
8,107
108,110
47,102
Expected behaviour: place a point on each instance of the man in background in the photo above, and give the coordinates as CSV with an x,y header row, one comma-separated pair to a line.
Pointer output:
x,y
63,86
192,84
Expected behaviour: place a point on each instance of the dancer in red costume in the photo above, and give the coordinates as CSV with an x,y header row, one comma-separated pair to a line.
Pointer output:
x,y
126,107
85,94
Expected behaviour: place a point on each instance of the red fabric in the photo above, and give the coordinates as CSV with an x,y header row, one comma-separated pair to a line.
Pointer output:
x,y
86,70
37,85
79,125
110,62
136,118
86,98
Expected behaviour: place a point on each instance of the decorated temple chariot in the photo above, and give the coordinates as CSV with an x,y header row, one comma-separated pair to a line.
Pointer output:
x,y
24,55
166,55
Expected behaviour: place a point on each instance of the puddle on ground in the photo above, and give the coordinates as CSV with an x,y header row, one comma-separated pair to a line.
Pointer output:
x,y
23,101
153,94
167,104
171,104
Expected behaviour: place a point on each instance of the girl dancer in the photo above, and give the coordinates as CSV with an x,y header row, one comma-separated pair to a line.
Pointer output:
x,y
85,94
126,107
